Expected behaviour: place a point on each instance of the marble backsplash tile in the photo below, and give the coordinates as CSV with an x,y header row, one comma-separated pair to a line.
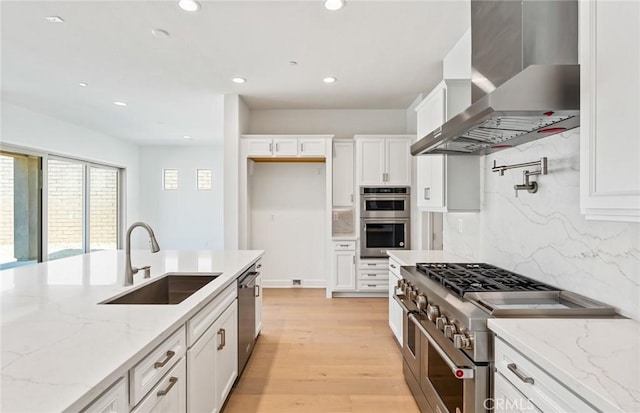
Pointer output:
x,y
543,235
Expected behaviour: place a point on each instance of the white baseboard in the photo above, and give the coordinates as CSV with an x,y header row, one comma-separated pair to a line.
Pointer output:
x,y
289,284
381,294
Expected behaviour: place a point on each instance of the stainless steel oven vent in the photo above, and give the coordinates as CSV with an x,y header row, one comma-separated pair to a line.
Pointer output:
x,y
525,78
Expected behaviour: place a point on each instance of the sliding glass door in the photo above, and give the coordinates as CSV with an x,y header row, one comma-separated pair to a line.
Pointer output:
x,y
83,207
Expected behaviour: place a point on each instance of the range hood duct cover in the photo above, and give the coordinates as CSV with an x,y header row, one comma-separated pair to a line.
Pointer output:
x,y
525,78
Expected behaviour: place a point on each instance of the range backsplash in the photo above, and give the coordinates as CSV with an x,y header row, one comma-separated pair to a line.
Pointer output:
x,y
543,235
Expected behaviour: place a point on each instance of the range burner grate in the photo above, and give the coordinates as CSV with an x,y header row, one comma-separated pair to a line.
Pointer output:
x,y
472,277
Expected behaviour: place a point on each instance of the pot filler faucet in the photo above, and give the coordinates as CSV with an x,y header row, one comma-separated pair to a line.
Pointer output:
x,y
129,269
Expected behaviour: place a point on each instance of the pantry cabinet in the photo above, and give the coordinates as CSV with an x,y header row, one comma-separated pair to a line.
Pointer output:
x,y
446,183
609,108
342,182
383,160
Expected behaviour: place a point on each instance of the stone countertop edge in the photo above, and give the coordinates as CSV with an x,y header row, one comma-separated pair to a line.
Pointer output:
x,y
66,312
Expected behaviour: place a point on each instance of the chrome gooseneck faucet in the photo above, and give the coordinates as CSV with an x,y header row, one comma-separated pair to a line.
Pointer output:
x,y
130,270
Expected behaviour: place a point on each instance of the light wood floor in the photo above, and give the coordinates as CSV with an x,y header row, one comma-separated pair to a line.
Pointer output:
x,y
323,355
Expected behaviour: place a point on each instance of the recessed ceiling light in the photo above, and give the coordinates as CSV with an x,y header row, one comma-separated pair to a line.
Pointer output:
x,y
189,5
187,137
333,4
54,19
329,79
119,103
238,80
83,84
293,63
160,33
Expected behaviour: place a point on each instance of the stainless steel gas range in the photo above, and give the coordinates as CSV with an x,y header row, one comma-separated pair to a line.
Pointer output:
x,y
447,346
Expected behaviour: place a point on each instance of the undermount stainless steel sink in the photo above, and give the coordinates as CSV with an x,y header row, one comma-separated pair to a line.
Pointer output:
x,y
169,289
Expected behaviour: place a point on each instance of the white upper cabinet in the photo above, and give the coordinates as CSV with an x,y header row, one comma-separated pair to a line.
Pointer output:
x,y
610,110
446,183
383,160
274,146
343,173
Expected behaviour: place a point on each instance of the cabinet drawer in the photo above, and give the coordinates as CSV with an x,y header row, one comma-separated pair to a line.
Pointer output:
x,y
344,246
373,264
169,395
370,275
146,374
538,386
394,267
199,323
375,285
114,400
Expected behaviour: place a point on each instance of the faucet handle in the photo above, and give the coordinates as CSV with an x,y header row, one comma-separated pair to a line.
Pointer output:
x,y
147,271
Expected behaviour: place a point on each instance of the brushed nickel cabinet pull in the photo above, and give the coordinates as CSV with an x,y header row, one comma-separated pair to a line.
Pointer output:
x,y
257,290
518,373
172,381
302,147
270,147
277,147
427,193
223,338
160,364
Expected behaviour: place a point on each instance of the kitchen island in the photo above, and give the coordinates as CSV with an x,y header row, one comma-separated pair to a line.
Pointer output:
x,y
61,349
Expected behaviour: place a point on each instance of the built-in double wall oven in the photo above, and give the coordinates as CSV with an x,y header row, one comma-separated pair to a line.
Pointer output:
x,y
385,220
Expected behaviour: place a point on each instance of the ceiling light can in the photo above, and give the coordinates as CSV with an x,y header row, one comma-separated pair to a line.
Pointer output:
x,y
189,5
83,84
329,79
239,80
160,33
333,5
54,19
187,137
119,103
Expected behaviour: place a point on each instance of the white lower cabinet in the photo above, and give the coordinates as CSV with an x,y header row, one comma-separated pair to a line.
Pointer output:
x,y
344,266
213,363
395,311
521,383
113,400
169,395
508,398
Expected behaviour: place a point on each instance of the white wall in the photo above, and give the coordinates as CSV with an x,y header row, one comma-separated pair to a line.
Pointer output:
x,y
235,123
289,221
341,123
29,129
184,218
457,63
543,235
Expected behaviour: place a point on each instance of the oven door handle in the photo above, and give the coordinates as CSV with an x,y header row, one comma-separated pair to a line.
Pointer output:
x,y
458,372
399,301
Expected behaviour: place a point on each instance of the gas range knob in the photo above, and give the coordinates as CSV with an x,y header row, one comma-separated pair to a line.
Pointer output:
x,y
461,341
421,302
407,287
401,283
433,312
450,330
413,294
441,322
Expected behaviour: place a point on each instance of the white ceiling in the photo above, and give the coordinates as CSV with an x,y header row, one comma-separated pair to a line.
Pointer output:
x,y
384,53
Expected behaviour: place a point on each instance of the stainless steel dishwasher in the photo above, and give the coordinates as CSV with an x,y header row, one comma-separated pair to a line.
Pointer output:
x,y
246,315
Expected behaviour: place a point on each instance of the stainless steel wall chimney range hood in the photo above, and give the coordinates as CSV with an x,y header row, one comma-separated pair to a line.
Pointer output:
x,y
525,78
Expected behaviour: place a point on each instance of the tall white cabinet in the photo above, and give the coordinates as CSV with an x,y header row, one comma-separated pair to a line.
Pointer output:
x,y
446,183
609,110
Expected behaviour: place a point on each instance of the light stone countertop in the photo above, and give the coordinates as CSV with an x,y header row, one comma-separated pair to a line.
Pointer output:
x,y
599,359
411,257
60,349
